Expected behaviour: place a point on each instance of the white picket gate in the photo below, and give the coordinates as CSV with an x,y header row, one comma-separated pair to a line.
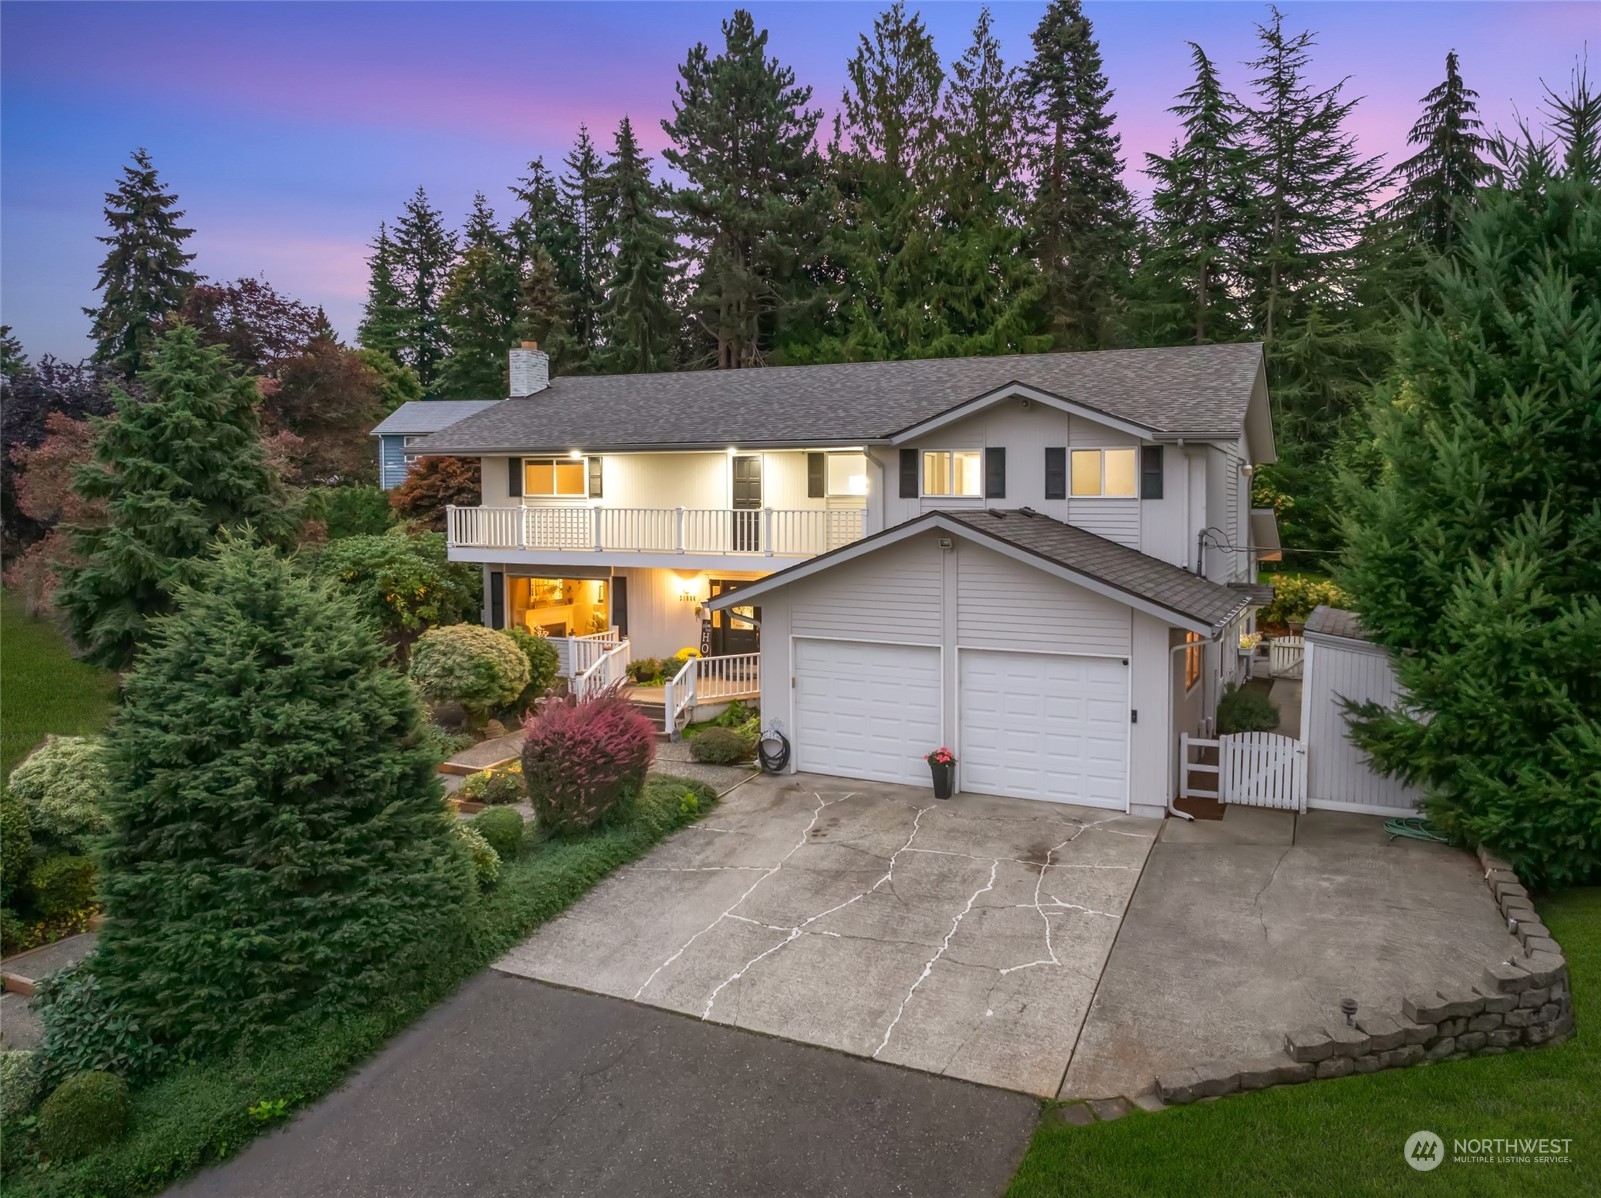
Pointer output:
x,y
1286,656
1255,769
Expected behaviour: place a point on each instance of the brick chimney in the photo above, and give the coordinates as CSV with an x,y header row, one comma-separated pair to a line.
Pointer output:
x,y
530,370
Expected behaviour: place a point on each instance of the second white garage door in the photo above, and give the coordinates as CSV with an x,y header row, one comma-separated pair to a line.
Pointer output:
x,y
866,710
1037,726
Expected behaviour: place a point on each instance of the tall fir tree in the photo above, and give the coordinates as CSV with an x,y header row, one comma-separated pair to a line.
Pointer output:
x,y
479,310
424,255
172,471
383,322
541,219
280,842
1083,217
13,359
145,273
742,137
639,325
1439,181
583,198
542,312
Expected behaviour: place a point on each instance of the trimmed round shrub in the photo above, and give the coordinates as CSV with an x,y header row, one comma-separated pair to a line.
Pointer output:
x,y
486,862
1241,710
543,664
64,784
496,788
19,1083
86,1112
471,665
16,845
503,829
62,885
584,763
721,746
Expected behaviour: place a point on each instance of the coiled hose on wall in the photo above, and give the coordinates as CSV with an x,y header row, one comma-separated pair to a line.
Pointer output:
x,y
773,752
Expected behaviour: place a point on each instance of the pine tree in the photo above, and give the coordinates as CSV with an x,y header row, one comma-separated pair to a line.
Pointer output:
x,y
145,273
742,136
174,469
383,325
1474,555
542,312
1200,209
638,323
1441,178
584,201
1083,216
479,310
542,220
280,841
425,251
13,360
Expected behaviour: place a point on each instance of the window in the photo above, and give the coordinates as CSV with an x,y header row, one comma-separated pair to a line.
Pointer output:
x,y
1150,472
555,476
847,474
1192,659
952,472
407,443
1109,472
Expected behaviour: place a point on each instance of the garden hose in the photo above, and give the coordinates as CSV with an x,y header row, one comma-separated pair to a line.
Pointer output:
x,y
773,752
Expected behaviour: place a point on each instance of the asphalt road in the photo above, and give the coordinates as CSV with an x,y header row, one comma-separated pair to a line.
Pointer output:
x,y
514,1087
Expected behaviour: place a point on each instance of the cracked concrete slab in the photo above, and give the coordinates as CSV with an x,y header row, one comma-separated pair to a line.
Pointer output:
x,y
962,938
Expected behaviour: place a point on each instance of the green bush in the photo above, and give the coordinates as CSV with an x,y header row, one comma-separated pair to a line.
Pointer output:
x,y
354,511
12,932
62,885
646,671
404,581
471,665
87,1029
496,788
721,746
1294,597
19,1083
503,829
86,1112
441,744
1241,710
16,845
486,862
64,784
543,664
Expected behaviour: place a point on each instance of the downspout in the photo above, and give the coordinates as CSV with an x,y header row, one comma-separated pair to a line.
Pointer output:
x,y
1183,765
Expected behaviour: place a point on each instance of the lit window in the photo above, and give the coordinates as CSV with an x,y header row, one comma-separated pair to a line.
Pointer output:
x,y
1192,659
951,472
847,474
555,476
1105,472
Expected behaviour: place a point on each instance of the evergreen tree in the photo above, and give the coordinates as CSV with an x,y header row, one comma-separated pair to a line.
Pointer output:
x,y
13,360
545,237
424,253
479,310
542,311
280,841
1440,179
1083,216
584,202
742,136
1474,554
145,272
638,322
172,471
1200,208
383,324
542,220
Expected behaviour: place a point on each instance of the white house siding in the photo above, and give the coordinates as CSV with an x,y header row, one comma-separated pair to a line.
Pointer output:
x,y
1164,530
1338,773
1153,769
1003,603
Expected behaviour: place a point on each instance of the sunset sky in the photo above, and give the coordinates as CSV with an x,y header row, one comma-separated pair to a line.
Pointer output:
x,y
290,130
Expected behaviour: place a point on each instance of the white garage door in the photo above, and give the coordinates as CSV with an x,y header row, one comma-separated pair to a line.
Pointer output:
x,y
1041,727
866,710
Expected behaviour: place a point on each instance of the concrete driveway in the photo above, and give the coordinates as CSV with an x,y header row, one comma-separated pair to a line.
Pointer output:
x,y
963,938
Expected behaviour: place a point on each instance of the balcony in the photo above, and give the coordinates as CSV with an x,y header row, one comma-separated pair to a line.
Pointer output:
x,y
652,533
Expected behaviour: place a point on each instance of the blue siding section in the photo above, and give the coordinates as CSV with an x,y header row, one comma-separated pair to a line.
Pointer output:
x,y
391,462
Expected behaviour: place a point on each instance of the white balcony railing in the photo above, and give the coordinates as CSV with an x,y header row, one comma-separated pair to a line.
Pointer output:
x,y
762,532
710,680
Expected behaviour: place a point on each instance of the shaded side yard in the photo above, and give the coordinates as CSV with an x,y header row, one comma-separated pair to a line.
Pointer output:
x,y
42,688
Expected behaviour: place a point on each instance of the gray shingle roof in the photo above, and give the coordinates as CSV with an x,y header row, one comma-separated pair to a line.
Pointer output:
x,y
1125,569
1335,621
1181,389
429,415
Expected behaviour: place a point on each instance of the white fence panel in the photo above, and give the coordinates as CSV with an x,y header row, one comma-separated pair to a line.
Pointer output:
x,y
1254,769
1286,656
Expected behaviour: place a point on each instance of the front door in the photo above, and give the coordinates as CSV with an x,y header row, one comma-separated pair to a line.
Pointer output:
x,y
734,630
747,497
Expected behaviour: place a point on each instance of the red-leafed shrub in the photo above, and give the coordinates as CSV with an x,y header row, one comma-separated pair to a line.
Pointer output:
x,y
585,762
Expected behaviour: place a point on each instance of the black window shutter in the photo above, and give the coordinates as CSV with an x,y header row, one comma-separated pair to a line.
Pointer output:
x,y
1056,473
594,478
995,472
619,603
497,599
815,466
909,458
1150,472
514,477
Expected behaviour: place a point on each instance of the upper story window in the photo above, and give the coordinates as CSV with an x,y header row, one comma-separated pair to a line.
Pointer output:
x,y
568,477
847,474
956,472
1108,472
407,443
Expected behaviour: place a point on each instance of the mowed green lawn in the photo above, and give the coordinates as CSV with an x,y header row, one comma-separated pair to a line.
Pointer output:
x,y
42,689
1345,1137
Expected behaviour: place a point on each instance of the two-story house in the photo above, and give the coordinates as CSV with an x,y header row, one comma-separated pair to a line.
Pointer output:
x,y
398,432
1041,561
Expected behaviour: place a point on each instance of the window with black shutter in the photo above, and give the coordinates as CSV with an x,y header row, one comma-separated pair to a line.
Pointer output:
x,y
514,477
1055,472
1150,472
816,475
995,473
909,460
595,475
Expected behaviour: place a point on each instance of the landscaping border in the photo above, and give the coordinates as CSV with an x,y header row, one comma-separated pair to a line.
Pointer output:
x,y
1522,1002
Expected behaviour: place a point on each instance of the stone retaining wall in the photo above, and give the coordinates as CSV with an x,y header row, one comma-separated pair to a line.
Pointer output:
x,y
1522,1002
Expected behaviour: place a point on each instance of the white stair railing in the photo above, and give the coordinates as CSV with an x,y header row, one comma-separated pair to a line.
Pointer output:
x,y
710,680
678,696
609,669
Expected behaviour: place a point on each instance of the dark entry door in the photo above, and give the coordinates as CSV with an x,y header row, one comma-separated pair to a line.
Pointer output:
x,y
734,630
747,515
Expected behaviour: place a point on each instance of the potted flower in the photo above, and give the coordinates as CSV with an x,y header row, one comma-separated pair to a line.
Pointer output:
x,y
942,763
